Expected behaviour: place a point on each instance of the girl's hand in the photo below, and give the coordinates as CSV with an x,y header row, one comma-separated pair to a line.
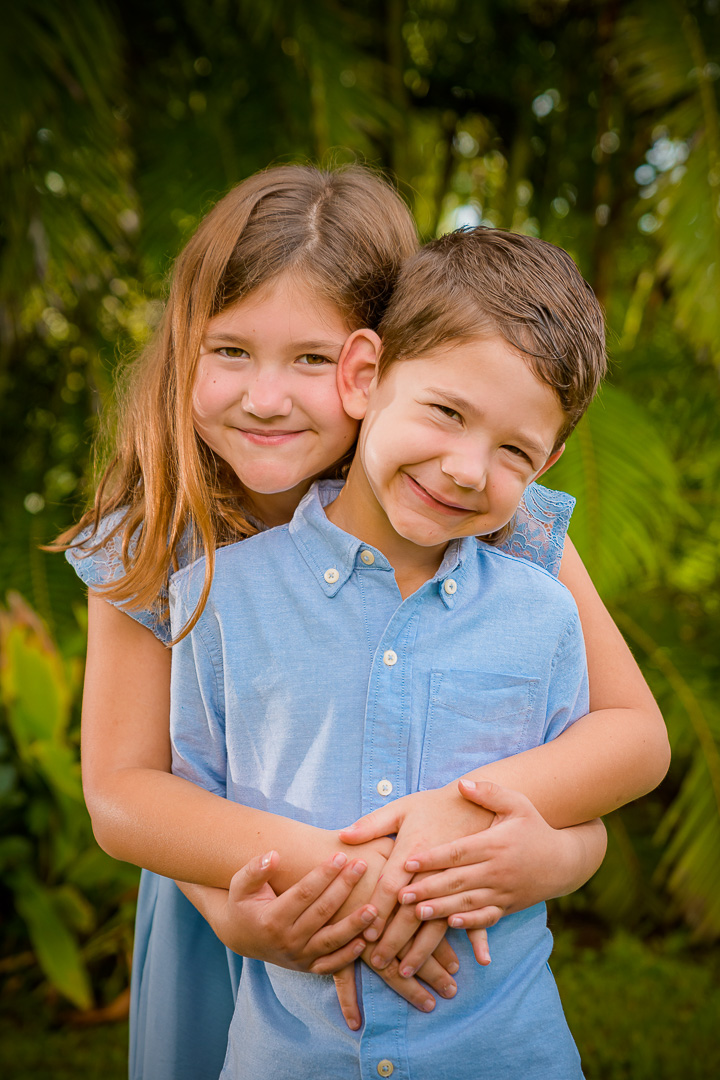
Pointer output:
x,y
516,863
420,821
405,937
437,972
291,930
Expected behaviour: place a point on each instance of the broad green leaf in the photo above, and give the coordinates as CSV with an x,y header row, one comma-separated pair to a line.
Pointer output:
x,y
56,948
33,681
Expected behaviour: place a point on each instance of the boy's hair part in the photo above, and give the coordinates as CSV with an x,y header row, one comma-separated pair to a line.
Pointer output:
x,y
478,282
346,232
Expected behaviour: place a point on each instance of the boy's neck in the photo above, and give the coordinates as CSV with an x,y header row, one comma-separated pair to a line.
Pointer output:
x,y
357,511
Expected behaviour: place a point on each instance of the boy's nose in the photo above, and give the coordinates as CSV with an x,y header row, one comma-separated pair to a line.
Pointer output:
x,y
467,470
267,396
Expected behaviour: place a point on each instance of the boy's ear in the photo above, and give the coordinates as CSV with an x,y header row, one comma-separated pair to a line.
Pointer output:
x,y
551,460
357,368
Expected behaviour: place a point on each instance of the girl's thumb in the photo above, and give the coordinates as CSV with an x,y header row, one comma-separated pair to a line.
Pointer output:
x,y
500,800
254,873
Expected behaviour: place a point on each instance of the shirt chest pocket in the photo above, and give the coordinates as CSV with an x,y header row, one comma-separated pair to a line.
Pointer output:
x,y
474,717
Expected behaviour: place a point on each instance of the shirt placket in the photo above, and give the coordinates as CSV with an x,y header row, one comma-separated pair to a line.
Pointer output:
x,y
383,1050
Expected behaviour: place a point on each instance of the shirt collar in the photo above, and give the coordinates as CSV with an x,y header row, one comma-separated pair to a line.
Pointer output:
x,y
333,555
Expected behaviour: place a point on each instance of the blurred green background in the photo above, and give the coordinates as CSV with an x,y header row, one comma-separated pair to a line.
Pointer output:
x,y
591,123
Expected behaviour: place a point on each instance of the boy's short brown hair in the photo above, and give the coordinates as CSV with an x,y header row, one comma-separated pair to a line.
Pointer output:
x,y
478,282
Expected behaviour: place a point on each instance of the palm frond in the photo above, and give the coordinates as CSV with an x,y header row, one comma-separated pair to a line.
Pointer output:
x,y
617,466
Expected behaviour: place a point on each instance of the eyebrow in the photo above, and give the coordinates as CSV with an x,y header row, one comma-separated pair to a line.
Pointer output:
x,y
462,405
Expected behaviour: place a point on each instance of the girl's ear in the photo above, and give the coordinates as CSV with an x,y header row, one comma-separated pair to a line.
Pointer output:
x,y
357,368
551,460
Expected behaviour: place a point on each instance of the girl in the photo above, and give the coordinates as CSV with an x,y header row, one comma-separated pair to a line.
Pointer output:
x,y
228,417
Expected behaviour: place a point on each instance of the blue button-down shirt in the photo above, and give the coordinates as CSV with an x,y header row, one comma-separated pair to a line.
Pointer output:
x,y
310,689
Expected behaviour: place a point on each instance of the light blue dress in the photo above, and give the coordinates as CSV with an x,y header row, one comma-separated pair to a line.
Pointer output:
x,y
183,983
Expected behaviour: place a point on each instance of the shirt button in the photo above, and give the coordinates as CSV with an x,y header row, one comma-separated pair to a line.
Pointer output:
x,y
367,557
389,658
331,576
384,788
450,586
385,1067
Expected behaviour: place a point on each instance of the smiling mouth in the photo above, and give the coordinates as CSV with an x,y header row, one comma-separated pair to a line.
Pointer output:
x,y
267,437
434,501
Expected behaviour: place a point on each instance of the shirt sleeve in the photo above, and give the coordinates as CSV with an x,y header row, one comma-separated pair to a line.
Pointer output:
x,y
540,527
105,566
568,691
197,708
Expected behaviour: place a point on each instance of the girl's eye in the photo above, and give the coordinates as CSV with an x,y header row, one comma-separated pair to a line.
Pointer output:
x,y
313,360
451,414
232,352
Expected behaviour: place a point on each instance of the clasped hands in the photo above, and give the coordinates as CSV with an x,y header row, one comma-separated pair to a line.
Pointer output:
x,y
389,902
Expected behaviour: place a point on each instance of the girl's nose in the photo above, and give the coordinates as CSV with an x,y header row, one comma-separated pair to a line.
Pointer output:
x,y
267,396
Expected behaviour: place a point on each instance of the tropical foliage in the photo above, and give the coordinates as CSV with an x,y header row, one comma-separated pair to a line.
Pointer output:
x,y
593,123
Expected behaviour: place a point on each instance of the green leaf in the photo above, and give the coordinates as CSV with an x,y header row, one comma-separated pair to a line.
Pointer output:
x,y
617,466
56,948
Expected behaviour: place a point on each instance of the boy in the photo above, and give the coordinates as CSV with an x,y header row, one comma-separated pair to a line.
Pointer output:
x,y
377,640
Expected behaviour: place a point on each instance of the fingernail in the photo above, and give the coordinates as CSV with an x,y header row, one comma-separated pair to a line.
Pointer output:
x,y
353,1023
359,867
452,968
428,1005
426,913
406,972
359,948
408,898
349,828
449,990
456,921
470,784
340,859
265,861
378,961
411,866
369,915
372,934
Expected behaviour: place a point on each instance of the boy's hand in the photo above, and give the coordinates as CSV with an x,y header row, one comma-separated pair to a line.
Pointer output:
x,y
421,821
437,972
292,930
516,863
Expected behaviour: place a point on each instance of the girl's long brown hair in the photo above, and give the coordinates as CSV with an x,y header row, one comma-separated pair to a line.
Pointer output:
x,y
347,232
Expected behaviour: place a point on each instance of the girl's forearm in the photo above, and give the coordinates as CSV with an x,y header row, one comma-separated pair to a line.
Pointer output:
x,y
603,761
172,827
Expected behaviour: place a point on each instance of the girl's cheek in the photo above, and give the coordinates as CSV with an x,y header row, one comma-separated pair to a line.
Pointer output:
x,y
213,392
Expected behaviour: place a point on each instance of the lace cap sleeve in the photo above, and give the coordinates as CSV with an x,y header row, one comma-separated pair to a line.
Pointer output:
x,y
102,567
541,523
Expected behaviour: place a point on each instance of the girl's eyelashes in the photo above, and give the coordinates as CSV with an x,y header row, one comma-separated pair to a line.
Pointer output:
x,y
235,352
232,352
314,360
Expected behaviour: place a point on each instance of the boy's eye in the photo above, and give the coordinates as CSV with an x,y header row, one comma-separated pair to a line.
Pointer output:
x,y
517,452
313,360
452,414
232,352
